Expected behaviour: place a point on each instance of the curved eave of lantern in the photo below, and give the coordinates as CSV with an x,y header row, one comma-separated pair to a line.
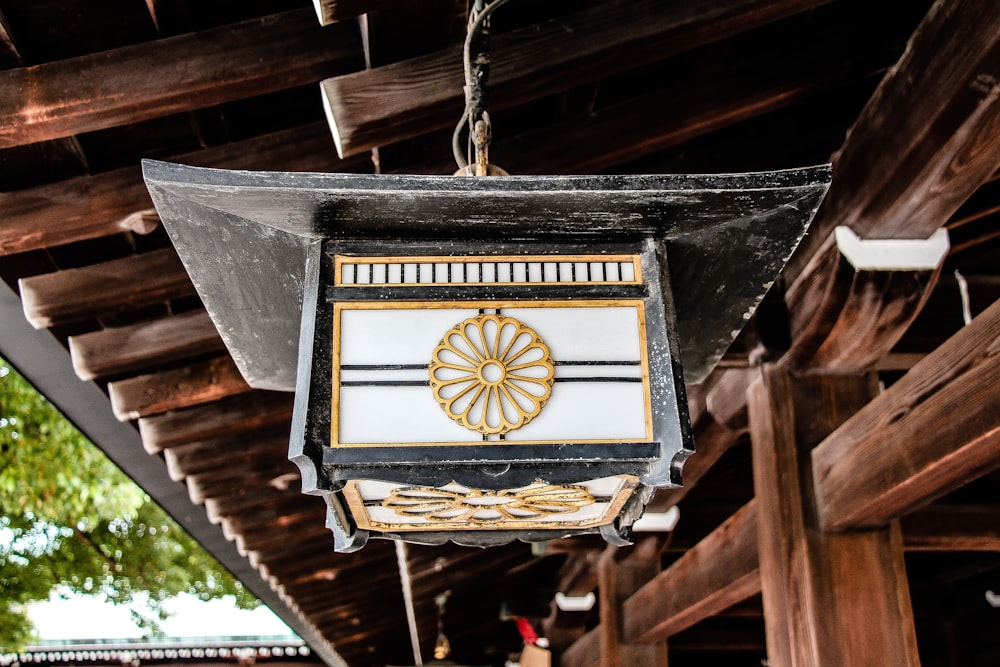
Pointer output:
x,y
246,237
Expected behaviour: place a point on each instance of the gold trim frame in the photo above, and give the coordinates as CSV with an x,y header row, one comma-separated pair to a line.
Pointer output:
x,y
340,261
335,387
364,521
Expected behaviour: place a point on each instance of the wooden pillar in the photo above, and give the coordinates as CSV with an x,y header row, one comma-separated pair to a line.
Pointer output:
x,y
616,582
829,599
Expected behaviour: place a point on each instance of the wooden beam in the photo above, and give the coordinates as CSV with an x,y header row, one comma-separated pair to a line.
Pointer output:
x,y
818,611
155,393
103,204
144,345
585,651
617,581
927,138
715,574
402,100
935,429
225,451
105,288
949,527
712,440
193,71
220,419
846,319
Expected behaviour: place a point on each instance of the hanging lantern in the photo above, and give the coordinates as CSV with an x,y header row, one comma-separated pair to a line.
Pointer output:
x,y
482,359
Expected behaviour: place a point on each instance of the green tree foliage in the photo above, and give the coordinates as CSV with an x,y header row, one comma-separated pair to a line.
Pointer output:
x,y
71,521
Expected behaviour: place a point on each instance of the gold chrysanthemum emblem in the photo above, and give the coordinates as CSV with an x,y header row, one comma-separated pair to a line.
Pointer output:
x,y
491,374
459,504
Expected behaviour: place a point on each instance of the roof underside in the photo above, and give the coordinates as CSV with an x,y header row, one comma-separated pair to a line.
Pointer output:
x,y
581,87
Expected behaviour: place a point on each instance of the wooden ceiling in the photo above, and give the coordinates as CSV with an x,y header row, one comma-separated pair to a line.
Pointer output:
x,y
901,96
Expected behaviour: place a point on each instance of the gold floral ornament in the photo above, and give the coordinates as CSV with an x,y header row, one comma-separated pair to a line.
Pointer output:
x,y
455,503
492,374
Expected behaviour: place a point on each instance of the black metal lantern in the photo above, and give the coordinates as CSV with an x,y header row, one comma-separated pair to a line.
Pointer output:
x,y
482,359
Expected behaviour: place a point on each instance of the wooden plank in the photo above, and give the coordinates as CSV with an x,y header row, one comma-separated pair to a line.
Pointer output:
x,y
726,400
135,347
193,71
103,204
927,138
617,581
907,447
154,393
715,574
402,100
585,651
712,440
215,452
222,418
846,320
949,527
818,611
105,288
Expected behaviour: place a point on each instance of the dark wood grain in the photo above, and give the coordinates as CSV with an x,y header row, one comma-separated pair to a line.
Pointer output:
x,y
908,446
718,572
102,204
154,393
817,609
402,100
116,87
617,581
132,348
9,56
331,11
105,288
221,419
927,138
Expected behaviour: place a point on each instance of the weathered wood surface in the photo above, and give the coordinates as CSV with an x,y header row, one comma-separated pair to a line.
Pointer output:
x,y
105,288
195,70
221,452
949,527
201,382
221,419
103,204
718,572
585,652
136,347
935,429
927,138
402,100
617,581
818,611
846,320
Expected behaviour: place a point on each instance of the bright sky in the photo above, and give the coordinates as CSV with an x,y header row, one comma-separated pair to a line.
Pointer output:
x,y
89,618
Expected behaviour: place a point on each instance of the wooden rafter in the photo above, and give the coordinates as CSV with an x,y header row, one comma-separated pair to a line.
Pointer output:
x,y
114,88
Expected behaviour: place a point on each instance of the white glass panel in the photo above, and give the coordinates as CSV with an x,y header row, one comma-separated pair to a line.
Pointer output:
x,y
585,333
441,272
347,274
426,273
588,411
551,272
394,273
534,272
489,272
472,270
378,274
582,274
520,272
457,272
598,371
597,271
364,274
372,415
384,375
628,271
565,272
410,273
611,272
503,272
395,336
